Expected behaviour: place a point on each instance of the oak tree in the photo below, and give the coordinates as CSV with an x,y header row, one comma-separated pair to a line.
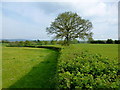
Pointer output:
x,y
68,26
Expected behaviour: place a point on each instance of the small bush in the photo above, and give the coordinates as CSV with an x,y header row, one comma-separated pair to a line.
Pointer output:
x,y
117,41
109,41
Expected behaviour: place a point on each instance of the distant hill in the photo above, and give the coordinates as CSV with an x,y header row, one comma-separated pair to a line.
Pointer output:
x,y
12,40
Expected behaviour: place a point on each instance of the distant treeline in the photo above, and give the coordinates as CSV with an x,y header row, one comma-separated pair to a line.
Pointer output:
x,y
35,42
54,42
27,43
108,41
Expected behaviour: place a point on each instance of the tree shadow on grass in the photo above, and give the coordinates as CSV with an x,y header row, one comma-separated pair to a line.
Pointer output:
x,y
40,76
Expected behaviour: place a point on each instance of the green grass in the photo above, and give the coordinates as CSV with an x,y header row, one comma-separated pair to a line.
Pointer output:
x,y
106,50
35,67
28,67
0,66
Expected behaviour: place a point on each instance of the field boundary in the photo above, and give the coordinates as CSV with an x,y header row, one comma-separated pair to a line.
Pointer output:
x,y
48,47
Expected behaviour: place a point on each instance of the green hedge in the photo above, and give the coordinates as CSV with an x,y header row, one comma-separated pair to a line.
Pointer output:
x,y
85,70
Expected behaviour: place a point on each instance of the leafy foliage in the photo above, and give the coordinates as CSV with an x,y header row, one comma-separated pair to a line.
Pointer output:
x,y
81,69
110,41
68,26
98,42
117,41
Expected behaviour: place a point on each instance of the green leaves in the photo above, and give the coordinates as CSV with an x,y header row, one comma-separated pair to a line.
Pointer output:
x,y
68,26
85,70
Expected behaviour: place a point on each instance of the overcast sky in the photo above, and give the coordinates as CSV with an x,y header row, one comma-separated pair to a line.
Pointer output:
x,y
28,20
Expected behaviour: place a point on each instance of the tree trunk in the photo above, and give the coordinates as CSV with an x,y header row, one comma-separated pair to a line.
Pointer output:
x,y
67,40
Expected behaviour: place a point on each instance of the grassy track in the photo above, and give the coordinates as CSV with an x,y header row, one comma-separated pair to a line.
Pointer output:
x,y
28,67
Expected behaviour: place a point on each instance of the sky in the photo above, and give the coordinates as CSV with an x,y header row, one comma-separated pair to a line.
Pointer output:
x,y
28,20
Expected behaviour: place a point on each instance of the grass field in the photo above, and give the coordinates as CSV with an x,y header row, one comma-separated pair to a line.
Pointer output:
x,y
35,67
28,67
106,50
0,66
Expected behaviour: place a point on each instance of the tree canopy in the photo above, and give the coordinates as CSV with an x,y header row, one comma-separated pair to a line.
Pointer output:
x,y
68,26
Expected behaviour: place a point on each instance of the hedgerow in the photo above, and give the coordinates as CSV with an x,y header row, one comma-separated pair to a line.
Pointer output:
x,y
81,69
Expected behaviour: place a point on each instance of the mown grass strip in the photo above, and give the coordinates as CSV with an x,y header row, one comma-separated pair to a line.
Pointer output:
x,y
25,67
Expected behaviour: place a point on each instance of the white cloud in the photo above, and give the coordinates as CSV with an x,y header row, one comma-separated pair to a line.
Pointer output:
x,y
37,15
102,14
13,29
59,0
